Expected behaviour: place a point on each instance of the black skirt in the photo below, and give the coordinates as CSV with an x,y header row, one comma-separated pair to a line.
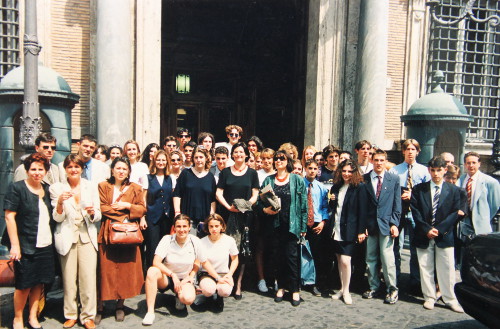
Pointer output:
x,y
32,270
344,247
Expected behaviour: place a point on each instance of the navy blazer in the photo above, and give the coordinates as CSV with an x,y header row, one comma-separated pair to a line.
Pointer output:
x,y
446,214
158,198
349,217
377,216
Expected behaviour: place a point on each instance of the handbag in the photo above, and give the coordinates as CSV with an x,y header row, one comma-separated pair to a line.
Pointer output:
x,y
125,233
307,269
6,273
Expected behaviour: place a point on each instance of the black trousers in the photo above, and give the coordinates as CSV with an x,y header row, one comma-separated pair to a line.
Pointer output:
x,y
319,250
152,236
286,259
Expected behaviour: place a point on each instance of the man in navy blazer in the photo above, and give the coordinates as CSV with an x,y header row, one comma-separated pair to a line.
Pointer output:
x,y
379,219
435,206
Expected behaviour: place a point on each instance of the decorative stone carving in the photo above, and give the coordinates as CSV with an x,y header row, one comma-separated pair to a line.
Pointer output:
x,y
30,129
31,45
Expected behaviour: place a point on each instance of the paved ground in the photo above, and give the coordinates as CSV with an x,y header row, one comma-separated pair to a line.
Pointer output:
x,y
260,311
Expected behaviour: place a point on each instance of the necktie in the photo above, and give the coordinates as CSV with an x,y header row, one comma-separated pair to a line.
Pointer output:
x,y
84,172
379,186
468,188
310,207
435,201
409,180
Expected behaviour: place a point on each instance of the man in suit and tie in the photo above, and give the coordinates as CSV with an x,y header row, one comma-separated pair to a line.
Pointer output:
x,y
483,197
379,220
93,170
45,144
435,206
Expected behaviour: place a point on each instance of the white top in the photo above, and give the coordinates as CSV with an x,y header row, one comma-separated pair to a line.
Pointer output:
x,y
262,174
174,181
160,179
179,259
366,169
44,235
139,174
338,212
218,252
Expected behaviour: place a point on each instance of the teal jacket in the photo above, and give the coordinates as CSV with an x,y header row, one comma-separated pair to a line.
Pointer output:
x,y
298,206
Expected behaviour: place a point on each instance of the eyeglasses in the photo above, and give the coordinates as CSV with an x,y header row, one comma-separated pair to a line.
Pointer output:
x,y
184,136
46,147
280,158
234,134
175,160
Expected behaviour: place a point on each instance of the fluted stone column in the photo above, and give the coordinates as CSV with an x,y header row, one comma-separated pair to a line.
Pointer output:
x,y
114,71
372,71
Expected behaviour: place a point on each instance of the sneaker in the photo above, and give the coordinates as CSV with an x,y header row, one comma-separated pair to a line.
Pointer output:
x,y
455,307
262,286
429,304
392,297
148,320
347,299
337,296
369,294
178,305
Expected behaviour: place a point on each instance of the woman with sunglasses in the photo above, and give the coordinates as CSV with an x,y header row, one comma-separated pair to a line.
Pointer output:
x,y
176,161
288,224
344,202
194,193
158,201
237,182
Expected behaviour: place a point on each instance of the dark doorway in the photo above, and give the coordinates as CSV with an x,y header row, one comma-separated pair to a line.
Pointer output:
x,y
246,64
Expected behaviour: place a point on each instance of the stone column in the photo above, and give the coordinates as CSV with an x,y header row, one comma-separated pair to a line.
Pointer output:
x,y
114,71
372,71
148,64
325,73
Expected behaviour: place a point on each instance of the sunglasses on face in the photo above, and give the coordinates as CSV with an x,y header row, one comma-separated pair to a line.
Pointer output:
x,y
280,158
233,135
175,160
184,136
46,147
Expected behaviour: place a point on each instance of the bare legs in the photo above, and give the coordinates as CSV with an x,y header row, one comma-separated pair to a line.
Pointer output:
x,y
20,298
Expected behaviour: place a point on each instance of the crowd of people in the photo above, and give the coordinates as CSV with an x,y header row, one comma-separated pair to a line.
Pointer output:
x,y
188,216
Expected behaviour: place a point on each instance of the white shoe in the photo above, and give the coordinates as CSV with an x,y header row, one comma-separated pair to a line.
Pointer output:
x,y
347,299
262,286
337,295
429,304
148,319
455,307
178,305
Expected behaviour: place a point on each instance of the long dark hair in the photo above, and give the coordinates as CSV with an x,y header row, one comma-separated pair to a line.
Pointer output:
x,y
125,160
289,160
356,178
145,154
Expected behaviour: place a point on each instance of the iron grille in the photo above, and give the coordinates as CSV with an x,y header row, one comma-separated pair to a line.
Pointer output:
x,y
9,36
468,52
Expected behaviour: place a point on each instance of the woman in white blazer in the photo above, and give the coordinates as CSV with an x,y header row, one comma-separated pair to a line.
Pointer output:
x,y
77,213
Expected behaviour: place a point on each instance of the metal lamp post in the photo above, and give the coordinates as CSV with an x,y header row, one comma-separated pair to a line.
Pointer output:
x,y
31,123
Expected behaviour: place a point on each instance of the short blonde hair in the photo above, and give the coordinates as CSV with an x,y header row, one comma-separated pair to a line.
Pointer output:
x,y
291,149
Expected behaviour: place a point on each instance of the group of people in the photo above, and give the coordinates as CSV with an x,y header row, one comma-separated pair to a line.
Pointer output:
x,y
201,214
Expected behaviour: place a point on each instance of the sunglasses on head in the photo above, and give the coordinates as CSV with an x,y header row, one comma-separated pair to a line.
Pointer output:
x,y
234,134
46,147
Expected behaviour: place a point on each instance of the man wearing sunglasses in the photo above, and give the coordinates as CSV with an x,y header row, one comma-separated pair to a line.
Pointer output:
x,y
233,133
183,136
45,144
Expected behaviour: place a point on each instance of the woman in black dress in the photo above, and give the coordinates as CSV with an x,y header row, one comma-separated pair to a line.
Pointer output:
x,y
194,193
347,183
237,182
28,217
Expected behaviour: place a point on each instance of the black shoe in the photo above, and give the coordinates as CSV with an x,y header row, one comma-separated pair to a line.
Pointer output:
x,y
315,291
392,297
296,302
369,294
219,304
278,299
238,297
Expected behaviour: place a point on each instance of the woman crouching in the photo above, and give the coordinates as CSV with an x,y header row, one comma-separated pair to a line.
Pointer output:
x,y
219,247
175,265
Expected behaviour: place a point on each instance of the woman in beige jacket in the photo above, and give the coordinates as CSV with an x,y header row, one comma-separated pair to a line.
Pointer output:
x,y
77,213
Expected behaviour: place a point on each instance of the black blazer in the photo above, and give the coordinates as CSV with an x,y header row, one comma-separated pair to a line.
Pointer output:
x,y
446,214
379,215
349,217
21,200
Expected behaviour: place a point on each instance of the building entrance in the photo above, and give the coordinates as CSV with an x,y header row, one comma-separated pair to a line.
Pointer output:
x,y
234,62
